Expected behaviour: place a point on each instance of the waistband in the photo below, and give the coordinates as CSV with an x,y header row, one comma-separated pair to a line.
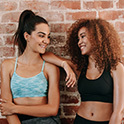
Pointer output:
x,y
81,120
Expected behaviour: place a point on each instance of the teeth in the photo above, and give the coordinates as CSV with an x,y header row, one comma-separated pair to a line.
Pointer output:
x,y
82,46
42,46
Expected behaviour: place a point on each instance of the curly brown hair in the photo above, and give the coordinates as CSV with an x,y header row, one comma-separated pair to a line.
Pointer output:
x,y
105,42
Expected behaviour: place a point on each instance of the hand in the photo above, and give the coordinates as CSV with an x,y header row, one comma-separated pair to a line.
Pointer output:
x,y
71,77
6,107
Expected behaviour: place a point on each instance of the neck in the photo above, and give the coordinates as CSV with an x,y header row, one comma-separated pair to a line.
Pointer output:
x,y
30,58
91,62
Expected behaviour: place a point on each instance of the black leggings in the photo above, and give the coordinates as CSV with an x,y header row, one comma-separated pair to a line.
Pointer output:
x,y
81,120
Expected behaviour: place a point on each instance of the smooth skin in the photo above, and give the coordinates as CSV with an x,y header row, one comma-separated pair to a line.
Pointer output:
x,y
29,65
95,110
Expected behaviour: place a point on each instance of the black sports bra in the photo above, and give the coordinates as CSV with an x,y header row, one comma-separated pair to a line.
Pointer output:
x,y
100,89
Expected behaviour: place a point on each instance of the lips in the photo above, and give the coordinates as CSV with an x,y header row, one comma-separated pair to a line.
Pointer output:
x,y
82,46
43,46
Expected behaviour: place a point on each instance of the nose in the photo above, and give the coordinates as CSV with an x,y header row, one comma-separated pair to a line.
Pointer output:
x,y
79,42
46,40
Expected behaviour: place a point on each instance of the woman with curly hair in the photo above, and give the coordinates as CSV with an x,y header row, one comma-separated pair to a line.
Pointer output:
x,y
96,57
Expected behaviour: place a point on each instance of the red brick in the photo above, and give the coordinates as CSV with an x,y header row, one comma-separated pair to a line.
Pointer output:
x,y
58,50
11,17
120,4
97,4
8,40
1,41
8,51
67,120
7,28
59,27
78,15
122,37
69,98
61,87
1,51
119,26
3,121
34,5
72,89
65,5
111,15
57,39
62,84
70,110
52,16
8,6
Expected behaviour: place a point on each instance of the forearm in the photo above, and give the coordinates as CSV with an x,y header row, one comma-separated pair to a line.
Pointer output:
x,y
116,118
13,119
37,111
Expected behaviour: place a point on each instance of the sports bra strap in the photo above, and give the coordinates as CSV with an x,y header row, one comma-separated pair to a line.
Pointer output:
x,y
43,65
15,64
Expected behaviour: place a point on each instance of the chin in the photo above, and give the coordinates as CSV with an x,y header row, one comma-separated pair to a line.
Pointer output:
x,y
82,53
42,52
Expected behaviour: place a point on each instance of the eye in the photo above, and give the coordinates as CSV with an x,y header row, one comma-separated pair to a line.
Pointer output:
x,y
48,37
41,36
83,36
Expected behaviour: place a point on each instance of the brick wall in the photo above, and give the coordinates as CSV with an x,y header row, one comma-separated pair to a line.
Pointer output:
x,y
60,14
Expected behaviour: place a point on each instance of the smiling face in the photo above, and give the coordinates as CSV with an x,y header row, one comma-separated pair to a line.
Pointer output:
x,y
39,39
84,43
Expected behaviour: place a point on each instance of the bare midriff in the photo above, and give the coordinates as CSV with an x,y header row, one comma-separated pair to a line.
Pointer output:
x,y
30,101
95,111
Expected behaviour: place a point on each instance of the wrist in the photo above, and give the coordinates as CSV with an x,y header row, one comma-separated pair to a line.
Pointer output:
x,y
15,109
63,64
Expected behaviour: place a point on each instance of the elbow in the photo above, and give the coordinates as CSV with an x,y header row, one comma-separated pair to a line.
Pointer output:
x,y
54,112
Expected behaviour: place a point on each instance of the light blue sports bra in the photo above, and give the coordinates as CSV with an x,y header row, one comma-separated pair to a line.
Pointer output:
x,y
36,86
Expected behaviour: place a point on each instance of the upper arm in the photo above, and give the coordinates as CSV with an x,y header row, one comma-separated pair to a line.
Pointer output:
x,y
5,81
53,91
6,69
118,78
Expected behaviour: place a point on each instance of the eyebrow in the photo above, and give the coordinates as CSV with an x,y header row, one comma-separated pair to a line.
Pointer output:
x,y
82,33
43,33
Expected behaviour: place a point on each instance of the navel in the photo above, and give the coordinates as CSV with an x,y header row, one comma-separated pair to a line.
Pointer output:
x,y
92,114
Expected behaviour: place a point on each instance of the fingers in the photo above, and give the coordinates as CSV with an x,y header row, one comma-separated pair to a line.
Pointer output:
x,y
67,78
1,107
3,101
70,84
1,104
3,113
71,80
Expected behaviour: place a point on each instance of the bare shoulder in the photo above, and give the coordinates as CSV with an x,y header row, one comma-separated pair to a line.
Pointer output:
x,y
8,64
119,68
118,74
50,67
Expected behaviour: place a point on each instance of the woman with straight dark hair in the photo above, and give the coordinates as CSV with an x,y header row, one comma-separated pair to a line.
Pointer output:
x,y
29,85
96,57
